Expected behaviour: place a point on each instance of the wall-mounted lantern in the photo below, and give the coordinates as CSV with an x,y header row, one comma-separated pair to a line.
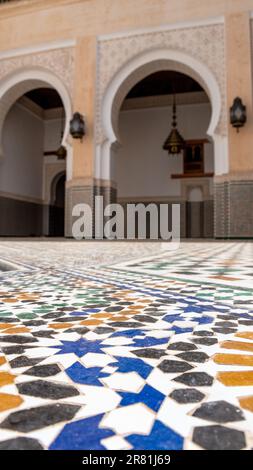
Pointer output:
x,y
77,126
238,116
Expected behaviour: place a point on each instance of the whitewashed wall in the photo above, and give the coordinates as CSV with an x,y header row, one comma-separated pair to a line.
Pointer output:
x,y
23,145
52,137
25,138
142,167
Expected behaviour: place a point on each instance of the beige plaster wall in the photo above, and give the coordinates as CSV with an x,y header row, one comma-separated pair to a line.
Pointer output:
x,y
34,21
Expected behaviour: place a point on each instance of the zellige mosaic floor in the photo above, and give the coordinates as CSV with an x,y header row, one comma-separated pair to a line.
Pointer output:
x,y
126,346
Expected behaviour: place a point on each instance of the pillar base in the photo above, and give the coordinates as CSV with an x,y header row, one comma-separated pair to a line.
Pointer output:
x,y
234,208
84,192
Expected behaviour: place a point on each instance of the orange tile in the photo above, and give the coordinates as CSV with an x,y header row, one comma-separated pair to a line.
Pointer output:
x,y
236,379
7,402
13,331
90,322
247,403
4,326
245,334
2,360
60,326
130,313
101,315
233,359
241,345
6,378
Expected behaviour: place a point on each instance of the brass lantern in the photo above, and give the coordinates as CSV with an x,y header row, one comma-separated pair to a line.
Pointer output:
x,y
175,143
238,116
61,153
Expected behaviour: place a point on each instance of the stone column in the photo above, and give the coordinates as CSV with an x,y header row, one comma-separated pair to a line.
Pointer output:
x,y
234,191
80,189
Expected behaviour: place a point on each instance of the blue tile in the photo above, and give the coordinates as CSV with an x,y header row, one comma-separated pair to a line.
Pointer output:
x,y
148,395
86,376
81,347
128,364
160,438
82,435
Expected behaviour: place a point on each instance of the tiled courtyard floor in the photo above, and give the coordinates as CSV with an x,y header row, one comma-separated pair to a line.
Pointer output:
x,y
126,346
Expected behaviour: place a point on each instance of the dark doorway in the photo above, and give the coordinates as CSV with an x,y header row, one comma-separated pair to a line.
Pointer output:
x,y
57,207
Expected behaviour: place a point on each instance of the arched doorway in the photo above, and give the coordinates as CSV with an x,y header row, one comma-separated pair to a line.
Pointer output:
x,y
33,126
130,119
57,206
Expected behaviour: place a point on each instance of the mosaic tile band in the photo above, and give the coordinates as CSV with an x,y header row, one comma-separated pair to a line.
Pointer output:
x,y
126,346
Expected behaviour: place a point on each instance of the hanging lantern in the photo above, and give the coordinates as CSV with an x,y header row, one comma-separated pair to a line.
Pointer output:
x,y
77,126
238,116
175,143
61,153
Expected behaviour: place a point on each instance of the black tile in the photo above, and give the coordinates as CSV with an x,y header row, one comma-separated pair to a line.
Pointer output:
x,y
80,330
125,324
203,333
180,346
43,334
172,367
15,349
114,309
126,303
21,443
219,438
101,330
155,313
44,389
40,417
150,353
187,395
219,411
205,341
52,315
34,323
224,331
24,361
17,339
70,319
45,370
193,356
145,318
195,379
226,324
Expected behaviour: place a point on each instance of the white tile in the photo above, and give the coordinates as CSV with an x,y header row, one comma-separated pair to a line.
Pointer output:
x,y
96,360
133,419
128,382
116,443
98,400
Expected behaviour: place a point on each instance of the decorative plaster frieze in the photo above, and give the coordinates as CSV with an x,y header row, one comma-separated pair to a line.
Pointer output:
x,y
58,61
206,43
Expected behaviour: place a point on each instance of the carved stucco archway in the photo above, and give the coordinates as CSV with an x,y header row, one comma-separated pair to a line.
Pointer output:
x,y
19,82
131,73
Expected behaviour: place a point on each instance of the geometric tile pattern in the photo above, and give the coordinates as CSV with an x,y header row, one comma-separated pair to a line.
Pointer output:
x,y
126,346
